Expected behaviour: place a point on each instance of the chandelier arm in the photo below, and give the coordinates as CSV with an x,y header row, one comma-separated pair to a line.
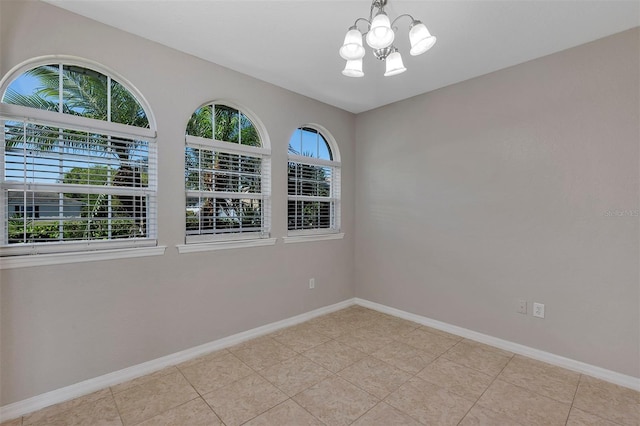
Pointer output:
x,y
355,25
402,16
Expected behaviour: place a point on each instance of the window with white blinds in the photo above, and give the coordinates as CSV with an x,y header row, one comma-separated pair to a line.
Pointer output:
x,y
79,164
313,184
227,176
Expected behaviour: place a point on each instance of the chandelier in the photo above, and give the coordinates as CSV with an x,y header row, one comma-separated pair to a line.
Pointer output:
x,y
380,33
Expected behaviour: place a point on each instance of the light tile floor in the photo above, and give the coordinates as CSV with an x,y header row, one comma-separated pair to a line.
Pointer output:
x,y
353,367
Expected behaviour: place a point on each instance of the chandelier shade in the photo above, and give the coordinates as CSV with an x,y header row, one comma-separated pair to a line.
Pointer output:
x,y
353,68
352,47
394,65
420,38
380,33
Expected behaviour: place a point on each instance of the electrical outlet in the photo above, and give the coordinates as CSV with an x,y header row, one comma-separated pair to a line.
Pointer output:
x,y
312,283
522,307
538,310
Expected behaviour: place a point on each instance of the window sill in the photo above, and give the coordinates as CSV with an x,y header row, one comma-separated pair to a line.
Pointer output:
x,y
312,237
27,261
224,245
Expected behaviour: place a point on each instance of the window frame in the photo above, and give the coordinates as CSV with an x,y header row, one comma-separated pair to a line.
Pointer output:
x,y
227,240
60,252
334,231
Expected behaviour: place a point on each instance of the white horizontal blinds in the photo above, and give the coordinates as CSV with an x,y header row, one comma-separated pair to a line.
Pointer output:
x,y
224,192
79,163
311,202
313,183
62,185
226,181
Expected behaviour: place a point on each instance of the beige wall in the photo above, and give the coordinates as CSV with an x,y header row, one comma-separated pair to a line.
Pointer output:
x,y
498,188
64,324
468,198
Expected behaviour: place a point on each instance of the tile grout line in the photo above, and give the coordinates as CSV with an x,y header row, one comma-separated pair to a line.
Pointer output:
x,y
116,404
197,392
255,371
588,412
573,400
412,375
345,325
335,374
483,392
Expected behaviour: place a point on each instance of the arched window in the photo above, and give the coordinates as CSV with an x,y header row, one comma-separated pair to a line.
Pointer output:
x,y
79,160
313,183
227,175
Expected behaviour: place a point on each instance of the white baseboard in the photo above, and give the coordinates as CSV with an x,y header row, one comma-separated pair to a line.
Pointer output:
x,y
560,361
20,408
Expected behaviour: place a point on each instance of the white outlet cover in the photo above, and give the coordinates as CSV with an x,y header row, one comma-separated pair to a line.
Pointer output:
x,y
538,310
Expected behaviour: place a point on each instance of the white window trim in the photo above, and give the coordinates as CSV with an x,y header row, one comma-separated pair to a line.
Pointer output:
x,y
86,246
225,245
307,236
320,234
58,119
99,250
313,161
227,147
27,261
80,247
209,242
81,62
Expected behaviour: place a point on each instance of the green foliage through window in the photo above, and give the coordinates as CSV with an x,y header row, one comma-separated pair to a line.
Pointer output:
x,y
63,184
80,91
225,187
311,203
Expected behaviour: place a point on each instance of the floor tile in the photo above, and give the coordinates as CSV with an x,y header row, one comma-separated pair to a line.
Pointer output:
x,y
357,316
483,358
300,338
365,340
542,378
335,401
334,356
262,352
193,413
429,403
374,376
480,416
441,333
524,406
385,415
404,357
433,344
609,401
578,417
38,416
462,381
286,414
330,327
394,326
216,372
245,399
102,412
295,374
154,397
143,379
353,366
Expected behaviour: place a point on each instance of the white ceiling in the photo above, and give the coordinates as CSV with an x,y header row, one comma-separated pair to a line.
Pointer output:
x,y
294,44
